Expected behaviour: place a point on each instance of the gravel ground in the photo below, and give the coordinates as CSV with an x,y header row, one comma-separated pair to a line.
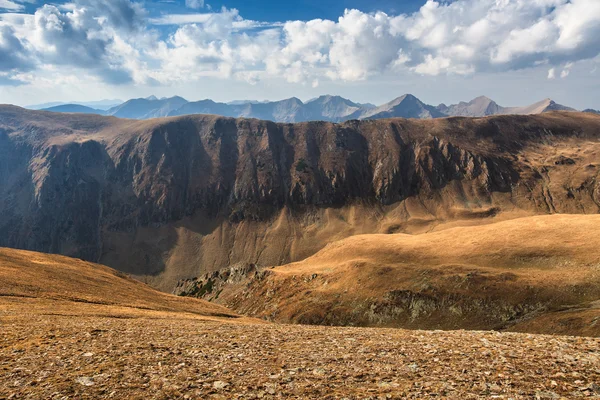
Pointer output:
x,y
158,355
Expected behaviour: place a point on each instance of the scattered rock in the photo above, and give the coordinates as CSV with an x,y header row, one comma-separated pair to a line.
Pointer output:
x,y
85,381
219,385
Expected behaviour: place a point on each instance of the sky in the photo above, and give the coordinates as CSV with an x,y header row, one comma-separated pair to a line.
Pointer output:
x,y
514,51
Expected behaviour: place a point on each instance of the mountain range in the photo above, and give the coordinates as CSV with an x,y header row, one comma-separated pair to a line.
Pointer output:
x,y
324,108
438,223
170,198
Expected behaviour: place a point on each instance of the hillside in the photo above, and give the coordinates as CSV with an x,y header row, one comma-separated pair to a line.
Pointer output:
x,y
58,284
75,330
535,274
173,198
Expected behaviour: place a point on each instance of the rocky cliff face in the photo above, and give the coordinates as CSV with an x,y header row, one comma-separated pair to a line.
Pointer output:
x,y
173,198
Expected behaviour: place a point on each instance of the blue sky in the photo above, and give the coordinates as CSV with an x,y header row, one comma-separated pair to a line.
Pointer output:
x,y
278,10
515,51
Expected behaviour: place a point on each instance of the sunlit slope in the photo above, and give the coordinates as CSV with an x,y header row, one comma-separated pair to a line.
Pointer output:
x,y
67,283
496,276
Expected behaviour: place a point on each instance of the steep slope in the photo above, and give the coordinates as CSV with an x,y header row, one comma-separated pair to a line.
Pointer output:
x,y
173,198
74,108
407,106
506,275
479,107
150,107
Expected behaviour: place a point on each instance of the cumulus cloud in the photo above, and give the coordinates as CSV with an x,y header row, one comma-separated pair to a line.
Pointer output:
x,y
115,41
218,45
85,34
80,39
462,37
13,55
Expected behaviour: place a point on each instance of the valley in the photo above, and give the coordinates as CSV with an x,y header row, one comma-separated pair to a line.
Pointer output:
x,y
175,198
301,254
241,200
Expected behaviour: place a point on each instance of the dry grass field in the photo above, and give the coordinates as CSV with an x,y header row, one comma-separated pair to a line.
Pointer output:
x,y
75,330
536,274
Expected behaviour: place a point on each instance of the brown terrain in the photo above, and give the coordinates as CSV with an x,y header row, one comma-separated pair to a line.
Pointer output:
x,y
71,329
536,274
175,198
487,224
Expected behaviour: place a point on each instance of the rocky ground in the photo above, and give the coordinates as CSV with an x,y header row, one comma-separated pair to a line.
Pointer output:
x,y
161,355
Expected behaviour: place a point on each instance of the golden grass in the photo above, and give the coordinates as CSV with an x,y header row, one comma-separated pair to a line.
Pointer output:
x,y
43,283
502,275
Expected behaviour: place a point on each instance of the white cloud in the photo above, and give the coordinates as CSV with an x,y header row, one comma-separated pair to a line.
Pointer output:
x,y
115,41
180,19
195,4
10,5
13,55
566,70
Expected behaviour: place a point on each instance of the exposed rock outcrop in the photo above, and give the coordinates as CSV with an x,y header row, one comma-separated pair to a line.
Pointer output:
x,y
174,198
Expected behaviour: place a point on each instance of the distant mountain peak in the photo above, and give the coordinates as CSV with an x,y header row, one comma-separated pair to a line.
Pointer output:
x,y
326,107
405,106
294,100
480,106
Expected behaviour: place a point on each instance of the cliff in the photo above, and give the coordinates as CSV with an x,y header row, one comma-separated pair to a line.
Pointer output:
x,y
174,198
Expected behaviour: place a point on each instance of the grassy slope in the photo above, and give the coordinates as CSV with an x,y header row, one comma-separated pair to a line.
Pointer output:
x,y
537,274
52,283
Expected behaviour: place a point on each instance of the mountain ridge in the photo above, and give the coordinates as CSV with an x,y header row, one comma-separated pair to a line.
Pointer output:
x,y
328,108
175,197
